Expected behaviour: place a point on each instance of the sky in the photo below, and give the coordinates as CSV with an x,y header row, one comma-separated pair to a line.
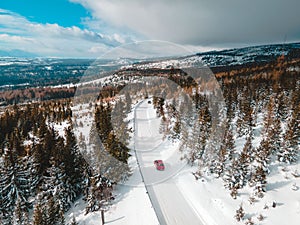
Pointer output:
x,y
89,28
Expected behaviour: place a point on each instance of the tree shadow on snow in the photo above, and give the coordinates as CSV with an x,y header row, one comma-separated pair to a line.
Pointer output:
x,y
277,185
114,220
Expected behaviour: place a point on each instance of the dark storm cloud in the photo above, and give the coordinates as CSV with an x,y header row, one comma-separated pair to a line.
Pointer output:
x,y
203,22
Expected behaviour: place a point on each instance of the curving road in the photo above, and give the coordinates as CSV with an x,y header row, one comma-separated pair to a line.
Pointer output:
x,y
169,204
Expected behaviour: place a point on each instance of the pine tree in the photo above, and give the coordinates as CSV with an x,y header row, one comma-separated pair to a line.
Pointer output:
x,y
240,214
199,136
38,214
128,101
186,111
55,214
117,149
245,159
218,165
119,122
249,222
262,155
93,197
233,176
99,193
33,174
289,151
21,213
184,145
103,120
226,153
57,183
272,126
73,222
245,121
230,144
73,163
176,130
15,143
13,184
259,179
102,160
275,135
164,127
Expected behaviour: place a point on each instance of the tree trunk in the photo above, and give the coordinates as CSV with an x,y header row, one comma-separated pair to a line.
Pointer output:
x,y
102,216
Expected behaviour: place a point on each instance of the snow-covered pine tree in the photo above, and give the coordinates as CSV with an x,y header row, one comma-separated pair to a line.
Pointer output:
x,y
102,119
92,203
249,221
259,179
33,176
245,121
230,144
262,155
275,135
55,214
240,213
233,176
201,131
296,127
128,102
21,216
176,129
289,151
119,122
184,140
117,149
99,193
15,143
46,146
245,159
101,160
282,105
218,165
171,109
73,164
226,154
164,126
14,184
186,111
38,214
73,221
58,184
272,126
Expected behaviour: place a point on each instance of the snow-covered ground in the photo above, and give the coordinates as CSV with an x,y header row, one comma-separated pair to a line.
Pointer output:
x,y
174,196
132,204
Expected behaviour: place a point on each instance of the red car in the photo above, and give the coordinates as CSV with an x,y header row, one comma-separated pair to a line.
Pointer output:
x,y
159,164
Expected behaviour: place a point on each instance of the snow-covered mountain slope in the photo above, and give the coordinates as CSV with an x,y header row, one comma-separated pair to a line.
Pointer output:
x,y
240,56
174,196
230,57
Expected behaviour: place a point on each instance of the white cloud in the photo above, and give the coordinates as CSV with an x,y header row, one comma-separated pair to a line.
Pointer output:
x,y
202,22
16,32
13,38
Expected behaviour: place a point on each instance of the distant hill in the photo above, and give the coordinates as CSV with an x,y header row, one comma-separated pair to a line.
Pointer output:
x,y
17,53
239,56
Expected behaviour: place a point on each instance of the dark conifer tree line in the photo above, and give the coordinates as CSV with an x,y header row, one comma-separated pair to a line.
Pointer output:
x,y
41,171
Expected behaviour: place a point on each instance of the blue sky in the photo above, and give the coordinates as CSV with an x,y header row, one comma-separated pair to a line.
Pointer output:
x,y
56,28
89,28
62,12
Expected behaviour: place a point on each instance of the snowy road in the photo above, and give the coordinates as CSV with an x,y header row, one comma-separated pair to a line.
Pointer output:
x,y
168,202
